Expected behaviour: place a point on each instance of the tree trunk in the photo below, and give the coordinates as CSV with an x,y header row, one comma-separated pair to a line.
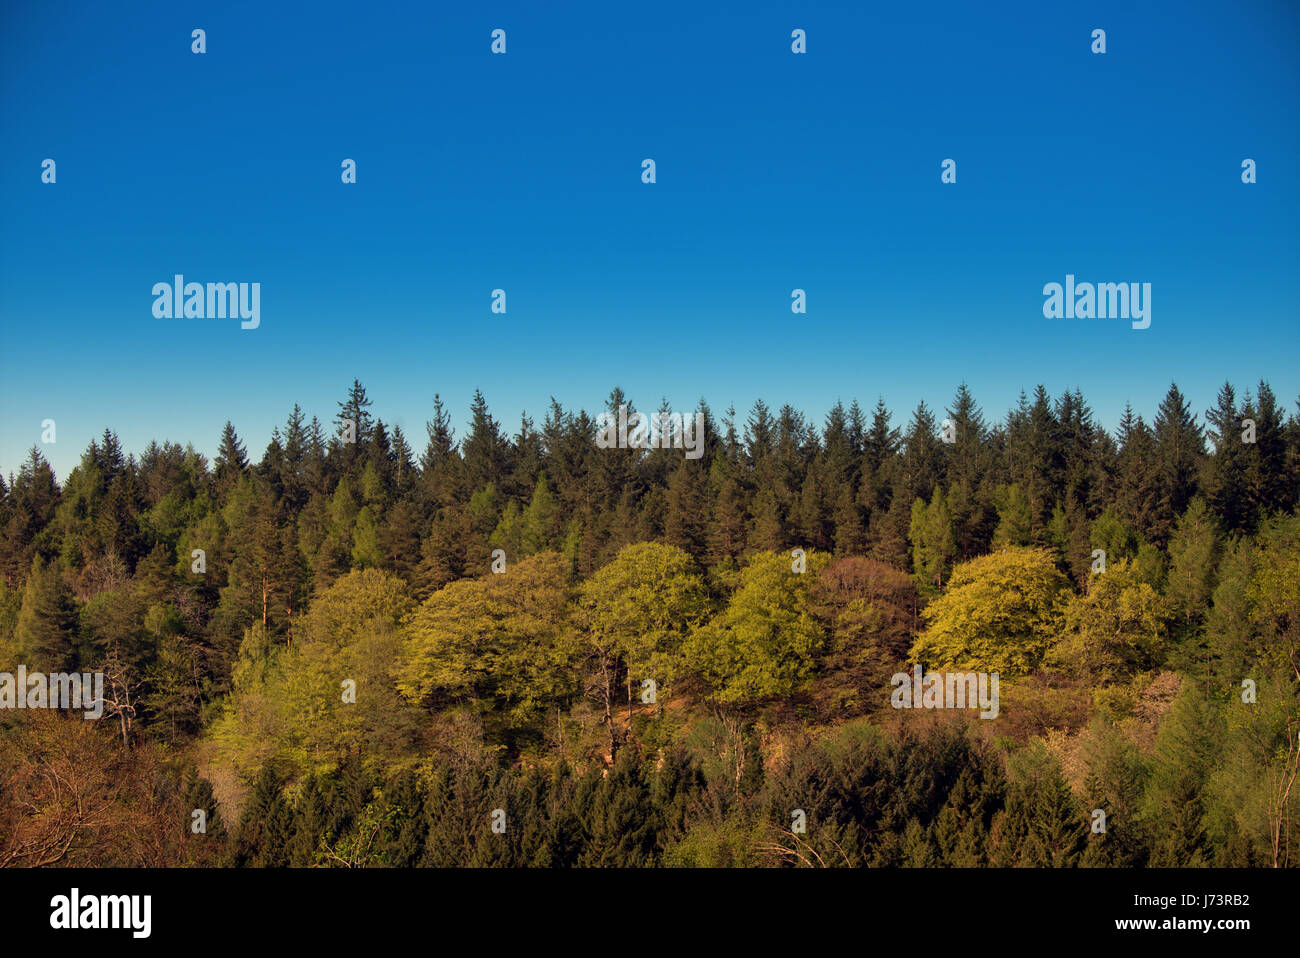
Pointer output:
x,y
609,707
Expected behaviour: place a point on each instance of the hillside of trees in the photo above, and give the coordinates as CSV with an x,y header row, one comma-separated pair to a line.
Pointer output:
x,y
512,647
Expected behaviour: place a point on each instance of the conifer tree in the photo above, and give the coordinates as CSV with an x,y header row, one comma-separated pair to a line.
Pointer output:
x,y
46,629
1180,445
485,450
231,461
265,825
354,425
1225,479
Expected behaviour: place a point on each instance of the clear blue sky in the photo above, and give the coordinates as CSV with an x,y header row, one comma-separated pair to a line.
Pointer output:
x,y
522,171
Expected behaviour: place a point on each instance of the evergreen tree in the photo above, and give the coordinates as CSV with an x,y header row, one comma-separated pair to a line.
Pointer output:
x,y
1180,445
1270,488
922,465
231,461
30,505
1138,483
1225,480
486,451
265,826
46,629
1042,824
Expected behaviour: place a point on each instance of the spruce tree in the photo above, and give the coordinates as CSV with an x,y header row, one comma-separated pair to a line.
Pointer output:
x,y
231,461
46,631
1225,478
1180,446
264,826
485,450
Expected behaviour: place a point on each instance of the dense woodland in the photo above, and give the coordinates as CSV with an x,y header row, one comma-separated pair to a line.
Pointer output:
x,y
327,563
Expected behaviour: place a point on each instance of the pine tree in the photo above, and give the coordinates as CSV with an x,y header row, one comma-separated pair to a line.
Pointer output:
x,y
309,824
526,460
966,456
199,795
1042,824
1193,557
1187,746
1225,478
47,629
1015,518
727,530
923,457
933,544
30,506
1269,487
540,519
1114,782
231,462
688,508
399,538
404,847
619,821
882,441
440,465
1180,445
353,429
1138,484
264,826
485,450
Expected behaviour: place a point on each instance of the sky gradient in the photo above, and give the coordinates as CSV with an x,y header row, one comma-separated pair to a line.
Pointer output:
x,y
523,172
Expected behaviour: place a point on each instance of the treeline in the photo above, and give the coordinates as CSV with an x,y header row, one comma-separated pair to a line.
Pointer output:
x,y
857,796
331,621
315,506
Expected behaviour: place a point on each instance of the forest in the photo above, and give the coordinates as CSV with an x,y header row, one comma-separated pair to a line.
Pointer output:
x,y
516,647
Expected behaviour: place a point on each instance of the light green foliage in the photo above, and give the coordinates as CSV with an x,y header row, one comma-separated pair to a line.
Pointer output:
x,y
288,703
1116,628
1193,556
642,606
1187,747
1001,613
341,613
934,543
540,522
1015,518
1274,592
766,641
503,640
1249,790
1111,535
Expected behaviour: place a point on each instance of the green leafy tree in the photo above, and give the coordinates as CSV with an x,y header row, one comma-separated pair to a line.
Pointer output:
x,y
934,543
766,641
1117,627
1001,613
635,614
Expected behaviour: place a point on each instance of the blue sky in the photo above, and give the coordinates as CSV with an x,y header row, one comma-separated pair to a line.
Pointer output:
x,y
775,171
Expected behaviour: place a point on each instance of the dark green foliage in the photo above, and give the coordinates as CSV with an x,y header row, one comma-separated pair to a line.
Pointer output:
x,y
265,827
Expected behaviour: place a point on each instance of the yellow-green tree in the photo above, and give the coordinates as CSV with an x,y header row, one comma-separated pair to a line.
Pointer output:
x,y
1001,613
1116,628
503,641
766,641
1274,592
331,693
635,613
